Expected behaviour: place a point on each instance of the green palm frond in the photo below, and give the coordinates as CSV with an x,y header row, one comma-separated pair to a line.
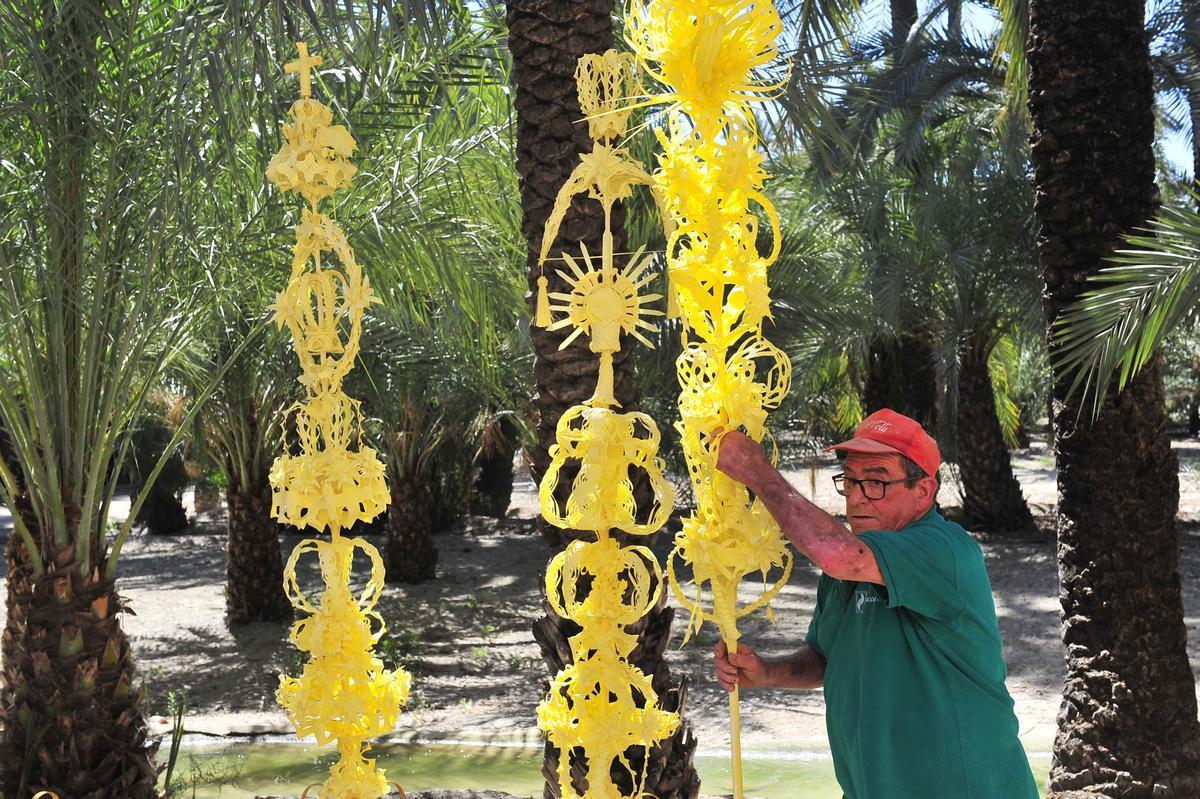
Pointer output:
x,y
131,163
816,62
1010,52
432,221
848,409
1002,366
1113,329
99,285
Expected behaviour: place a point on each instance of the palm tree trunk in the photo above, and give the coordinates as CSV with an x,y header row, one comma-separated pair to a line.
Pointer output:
x,y
409,554
546,39
1128,723
19,583
254,570
901,372
993,501
73,721
492,491
902,375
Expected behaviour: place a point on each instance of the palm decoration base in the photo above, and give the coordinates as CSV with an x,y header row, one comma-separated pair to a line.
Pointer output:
x,y
344,695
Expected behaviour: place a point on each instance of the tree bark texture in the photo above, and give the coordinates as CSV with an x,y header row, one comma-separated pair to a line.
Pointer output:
x,y
1127,726
73,721
409,554
19,583
993,501
254,568
72,717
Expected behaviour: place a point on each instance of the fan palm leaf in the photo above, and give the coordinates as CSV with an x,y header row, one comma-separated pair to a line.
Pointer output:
x,y
1148,292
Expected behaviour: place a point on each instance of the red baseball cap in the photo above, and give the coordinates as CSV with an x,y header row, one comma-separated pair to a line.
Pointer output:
x,y
886,431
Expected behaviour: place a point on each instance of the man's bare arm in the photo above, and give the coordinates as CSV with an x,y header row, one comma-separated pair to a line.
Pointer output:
x,y
745,669
804,670
818,536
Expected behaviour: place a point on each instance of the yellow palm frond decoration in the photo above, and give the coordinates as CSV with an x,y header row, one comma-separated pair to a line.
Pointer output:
x,y
707,55
601,703
344,695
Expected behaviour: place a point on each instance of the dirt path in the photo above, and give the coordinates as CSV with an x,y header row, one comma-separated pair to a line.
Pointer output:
x,y
478,673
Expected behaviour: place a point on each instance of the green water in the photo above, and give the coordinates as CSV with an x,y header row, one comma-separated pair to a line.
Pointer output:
x,y
243,770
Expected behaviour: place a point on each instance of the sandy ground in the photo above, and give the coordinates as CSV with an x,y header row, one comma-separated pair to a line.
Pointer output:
x,y
478,675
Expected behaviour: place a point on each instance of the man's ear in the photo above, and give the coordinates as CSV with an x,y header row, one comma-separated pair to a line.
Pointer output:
x,y
928,488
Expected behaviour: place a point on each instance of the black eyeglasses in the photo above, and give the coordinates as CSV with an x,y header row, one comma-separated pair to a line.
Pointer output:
x,y
871,489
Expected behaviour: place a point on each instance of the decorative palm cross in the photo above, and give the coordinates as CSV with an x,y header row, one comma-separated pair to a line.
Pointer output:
x,y
302,66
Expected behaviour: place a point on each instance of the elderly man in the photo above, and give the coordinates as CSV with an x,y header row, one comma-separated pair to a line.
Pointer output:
x,y
904,636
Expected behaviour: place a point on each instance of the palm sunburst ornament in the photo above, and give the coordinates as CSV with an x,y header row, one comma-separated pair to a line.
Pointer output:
x,y
603,303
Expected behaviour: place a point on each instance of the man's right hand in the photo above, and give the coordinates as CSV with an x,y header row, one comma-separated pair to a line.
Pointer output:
x,y
744,669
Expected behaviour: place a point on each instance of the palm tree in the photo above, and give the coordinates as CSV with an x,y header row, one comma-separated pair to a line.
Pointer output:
x,y
1177,71
900,368
1128,720
1131,307
99,282
978,216
443,356
113,118
411,443
243,224
936,191
904,16
240,428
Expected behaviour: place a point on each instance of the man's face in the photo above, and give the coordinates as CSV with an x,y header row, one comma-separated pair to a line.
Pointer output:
x,y
902,503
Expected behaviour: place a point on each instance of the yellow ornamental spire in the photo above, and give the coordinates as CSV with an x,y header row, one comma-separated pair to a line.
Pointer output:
x,y
326,479
601,703
705,53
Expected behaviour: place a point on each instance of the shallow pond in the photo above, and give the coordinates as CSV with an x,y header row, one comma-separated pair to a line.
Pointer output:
x,y
242,769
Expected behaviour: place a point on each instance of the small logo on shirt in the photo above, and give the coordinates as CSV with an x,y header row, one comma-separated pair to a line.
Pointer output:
x,y
864,597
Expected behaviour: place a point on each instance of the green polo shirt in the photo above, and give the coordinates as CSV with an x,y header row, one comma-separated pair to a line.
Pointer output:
x,y
916,706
